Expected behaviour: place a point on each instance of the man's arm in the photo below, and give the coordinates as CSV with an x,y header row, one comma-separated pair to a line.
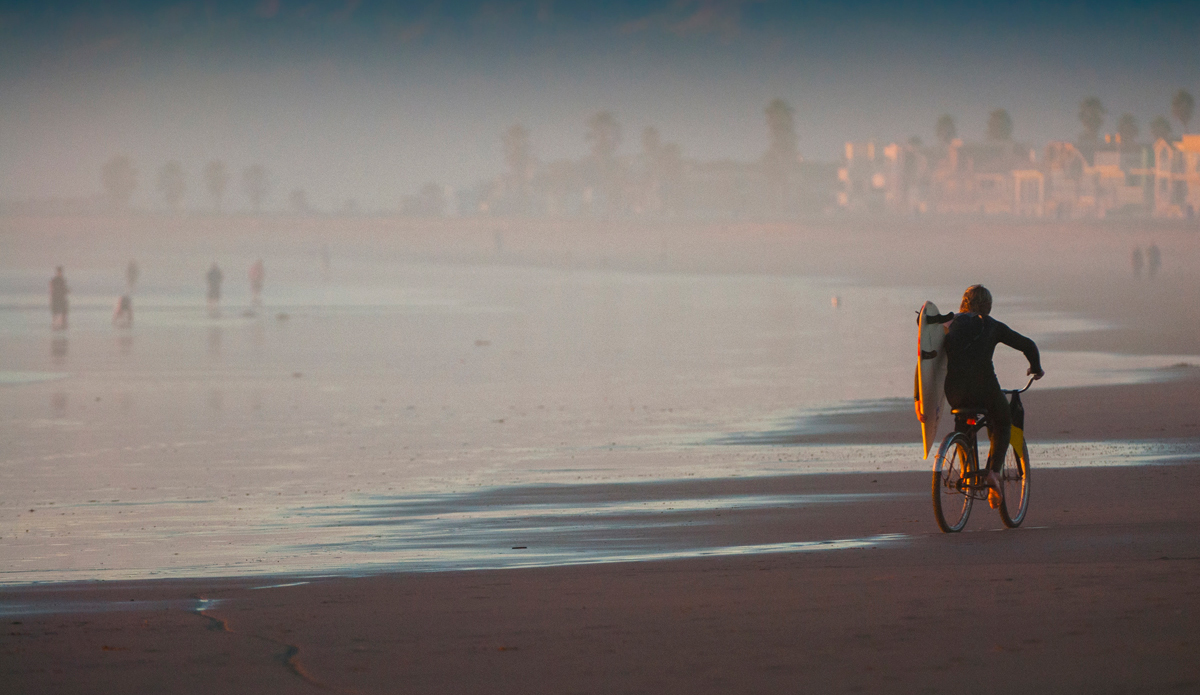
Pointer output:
x,y
936,318
1017,341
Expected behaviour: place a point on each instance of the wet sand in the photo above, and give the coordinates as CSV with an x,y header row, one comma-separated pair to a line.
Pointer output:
x,y
1097,594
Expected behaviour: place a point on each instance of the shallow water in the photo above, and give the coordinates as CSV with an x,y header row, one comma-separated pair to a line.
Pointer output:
x,y
223,445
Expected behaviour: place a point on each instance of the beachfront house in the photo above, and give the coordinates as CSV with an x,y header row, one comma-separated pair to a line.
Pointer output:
x,y
1177,177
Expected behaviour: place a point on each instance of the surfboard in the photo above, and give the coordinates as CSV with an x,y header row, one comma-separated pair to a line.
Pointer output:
x,y
931,375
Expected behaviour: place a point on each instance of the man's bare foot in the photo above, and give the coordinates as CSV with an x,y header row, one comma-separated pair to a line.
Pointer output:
x,y
995,492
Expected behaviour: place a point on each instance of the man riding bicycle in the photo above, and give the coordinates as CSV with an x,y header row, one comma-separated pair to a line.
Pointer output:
x,y
971,339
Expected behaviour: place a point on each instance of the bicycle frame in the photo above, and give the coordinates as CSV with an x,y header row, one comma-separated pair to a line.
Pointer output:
x,y
972,484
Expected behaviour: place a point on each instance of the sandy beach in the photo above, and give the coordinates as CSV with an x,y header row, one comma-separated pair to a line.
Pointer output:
x,y
689,545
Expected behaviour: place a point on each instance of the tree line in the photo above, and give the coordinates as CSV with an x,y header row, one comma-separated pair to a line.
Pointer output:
x,y
1091,115
661,163
119,179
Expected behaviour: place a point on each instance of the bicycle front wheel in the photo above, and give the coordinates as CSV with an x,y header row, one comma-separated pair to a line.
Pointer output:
x,y
951,499
1015,479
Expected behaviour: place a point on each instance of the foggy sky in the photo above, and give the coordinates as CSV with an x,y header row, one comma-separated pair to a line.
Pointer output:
x,y
366,100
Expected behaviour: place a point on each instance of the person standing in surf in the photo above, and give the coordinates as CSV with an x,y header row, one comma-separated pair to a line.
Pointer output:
x,y
213,278
971,339
257,274
58,300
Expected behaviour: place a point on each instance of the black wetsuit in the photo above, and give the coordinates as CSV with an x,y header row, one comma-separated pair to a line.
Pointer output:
x,y
971,381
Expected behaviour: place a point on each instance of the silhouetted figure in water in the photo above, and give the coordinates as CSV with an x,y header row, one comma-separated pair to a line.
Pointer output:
x,y
1153,259
214,278
1137,262
58,300
131,275
123,312
257,275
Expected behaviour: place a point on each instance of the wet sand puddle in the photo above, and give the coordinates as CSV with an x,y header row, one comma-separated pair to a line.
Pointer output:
x,y
555,525
58,606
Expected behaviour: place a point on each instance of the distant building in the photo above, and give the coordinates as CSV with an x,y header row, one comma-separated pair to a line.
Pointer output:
x,y
1177,177
992,178
892,178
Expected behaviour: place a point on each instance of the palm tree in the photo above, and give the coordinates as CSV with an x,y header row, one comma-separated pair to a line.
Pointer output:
x,y
945,130
518,154
1091,115
604,135
171,184
119,179
432,200
1160,128
781,133
256,185
298,201
999,126
216,178
1182,107
651,142
1127,128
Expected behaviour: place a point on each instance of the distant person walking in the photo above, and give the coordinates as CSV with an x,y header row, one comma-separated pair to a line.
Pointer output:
x,y
214,278
58,300
1153,259
131,275
123,312
257,275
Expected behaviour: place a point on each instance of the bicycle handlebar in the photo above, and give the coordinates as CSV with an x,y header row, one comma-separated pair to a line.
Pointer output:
x,y
1027,385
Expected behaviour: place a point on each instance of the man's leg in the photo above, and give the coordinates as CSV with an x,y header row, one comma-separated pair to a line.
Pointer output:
x,y
1000,418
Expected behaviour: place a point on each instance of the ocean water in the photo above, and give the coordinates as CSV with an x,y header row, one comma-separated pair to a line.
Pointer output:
x,y
259,439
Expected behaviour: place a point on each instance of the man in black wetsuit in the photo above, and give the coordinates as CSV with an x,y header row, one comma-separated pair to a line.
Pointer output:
x,y
971,339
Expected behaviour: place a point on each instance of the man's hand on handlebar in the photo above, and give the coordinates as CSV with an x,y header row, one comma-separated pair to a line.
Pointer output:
x,y
1036,374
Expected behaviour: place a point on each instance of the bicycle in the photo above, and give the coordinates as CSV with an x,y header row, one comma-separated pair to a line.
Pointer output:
x,y
958,480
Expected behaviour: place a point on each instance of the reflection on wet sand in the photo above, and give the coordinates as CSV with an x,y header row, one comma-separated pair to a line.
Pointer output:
x,y
58,403
58,349
258,336
214,342
125,343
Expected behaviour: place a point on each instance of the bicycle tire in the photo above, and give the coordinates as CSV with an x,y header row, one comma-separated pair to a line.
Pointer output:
x,y
951,503
1015,477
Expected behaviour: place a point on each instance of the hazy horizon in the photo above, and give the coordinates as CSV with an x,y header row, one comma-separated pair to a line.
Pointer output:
x,y
366,101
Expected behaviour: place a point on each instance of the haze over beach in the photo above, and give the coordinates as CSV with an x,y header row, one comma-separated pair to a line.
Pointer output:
x,y
545,347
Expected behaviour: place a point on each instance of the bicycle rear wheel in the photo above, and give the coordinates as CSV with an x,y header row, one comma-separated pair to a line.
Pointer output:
x,y
951,500
1015,479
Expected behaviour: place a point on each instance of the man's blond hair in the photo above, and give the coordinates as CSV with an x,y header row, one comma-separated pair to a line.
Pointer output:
x,y
977,299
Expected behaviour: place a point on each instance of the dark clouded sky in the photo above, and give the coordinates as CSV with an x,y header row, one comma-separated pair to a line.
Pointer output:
x,y
369,100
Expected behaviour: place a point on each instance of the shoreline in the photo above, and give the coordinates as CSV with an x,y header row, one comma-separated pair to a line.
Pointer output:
x,y
1163,408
